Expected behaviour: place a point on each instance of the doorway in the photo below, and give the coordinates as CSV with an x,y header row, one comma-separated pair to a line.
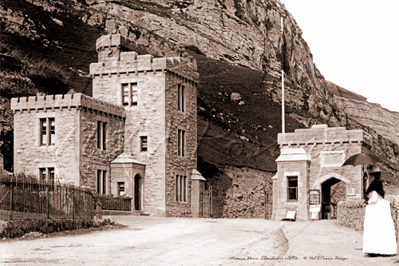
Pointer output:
x,y
137,192
333,190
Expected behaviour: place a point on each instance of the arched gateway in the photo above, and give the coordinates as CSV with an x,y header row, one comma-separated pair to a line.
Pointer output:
x,y
308,167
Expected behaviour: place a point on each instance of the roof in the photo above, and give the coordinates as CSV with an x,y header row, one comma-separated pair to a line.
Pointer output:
x,y
126,158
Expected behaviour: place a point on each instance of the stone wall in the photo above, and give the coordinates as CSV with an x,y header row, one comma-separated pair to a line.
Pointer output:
x,y
74,156
187,121
29,155
155,116
93,158
351,213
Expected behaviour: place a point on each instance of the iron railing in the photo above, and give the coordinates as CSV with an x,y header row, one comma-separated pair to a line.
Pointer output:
x,y
26,197
116,203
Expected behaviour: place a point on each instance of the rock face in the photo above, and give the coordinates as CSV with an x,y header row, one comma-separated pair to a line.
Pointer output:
x,y
241,32
250,195
383,121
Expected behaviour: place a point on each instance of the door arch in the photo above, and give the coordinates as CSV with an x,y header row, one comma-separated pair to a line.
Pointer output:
x,y
332,191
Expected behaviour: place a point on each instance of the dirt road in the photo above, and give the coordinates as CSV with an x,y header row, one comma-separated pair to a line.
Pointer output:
x,y
180,241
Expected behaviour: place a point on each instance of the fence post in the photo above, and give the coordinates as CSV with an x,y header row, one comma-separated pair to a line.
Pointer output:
x,y
73,203
98,209
11,192
48,202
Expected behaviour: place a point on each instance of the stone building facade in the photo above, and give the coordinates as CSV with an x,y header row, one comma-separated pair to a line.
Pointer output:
x,y
137,135
310,163
55,137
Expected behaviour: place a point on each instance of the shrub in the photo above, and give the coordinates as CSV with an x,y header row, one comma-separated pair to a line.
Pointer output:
x,y
19,228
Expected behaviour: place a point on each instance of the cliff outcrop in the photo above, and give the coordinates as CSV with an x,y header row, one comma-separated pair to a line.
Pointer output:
x,y
244,35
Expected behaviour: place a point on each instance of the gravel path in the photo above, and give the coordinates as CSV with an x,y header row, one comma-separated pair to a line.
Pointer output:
x,y
184,241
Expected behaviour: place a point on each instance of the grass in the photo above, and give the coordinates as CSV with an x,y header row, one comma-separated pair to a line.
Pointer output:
x,y
31,74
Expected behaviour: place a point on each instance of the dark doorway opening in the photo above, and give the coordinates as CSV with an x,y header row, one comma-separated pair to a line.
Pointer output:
x,y
333,190
137,192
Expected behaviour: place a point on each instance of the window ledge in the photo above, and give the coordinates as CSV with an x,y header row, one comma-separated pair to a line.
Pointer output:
x,y
292,203
47,147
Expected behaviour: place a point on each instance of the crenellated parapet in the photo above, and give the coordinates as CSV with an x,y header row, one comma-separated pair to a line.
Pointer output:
x,y
110,41
130,63
321,134
60,101
113,61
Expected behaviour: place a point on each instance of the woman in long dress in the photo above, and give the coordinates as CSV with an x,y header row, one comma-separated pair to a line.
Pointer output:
x,y
379,232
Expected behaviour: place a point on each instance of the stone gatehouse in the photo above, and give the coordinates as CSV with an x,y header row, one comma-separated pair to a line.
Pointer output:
x,y
310,163
137,135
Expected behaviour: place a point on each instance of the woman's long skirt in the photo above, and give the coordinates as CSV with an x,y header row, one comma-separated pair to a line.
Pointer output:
x,y
379,232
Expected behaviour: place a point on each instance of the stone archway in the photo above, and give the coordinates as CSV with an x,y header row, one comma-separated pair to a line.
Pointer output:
x,y
333,189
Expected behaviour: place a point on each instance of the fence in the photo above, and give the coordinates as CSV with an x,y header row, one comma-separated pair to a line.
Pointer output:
x,y
116,203
25,197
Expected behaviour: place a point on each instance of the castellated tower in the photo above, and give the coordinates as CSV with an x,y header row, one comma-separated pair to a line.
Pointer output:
x,y
159,96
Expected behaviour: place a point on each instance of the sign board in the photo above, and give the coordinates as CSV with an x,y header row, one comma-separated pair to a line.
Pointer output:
x,y
314,208
315,216
314,196
290,216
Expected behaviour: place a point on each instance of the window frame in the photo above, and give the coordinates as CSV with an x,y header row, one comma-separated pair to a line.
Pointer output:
x,y
181,103
181,188
47,175
181,142
102,181
132,94
289,188
47,131
143,140
102,135
121,185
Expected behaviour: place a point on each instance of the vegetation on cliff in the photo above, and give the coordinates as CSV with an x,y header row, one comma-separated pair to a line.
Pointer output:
x,y
239,51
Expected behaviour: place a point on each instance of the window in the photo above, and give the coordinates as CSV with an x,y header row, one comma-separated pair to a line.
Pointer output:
x,y
292,188
181,185
180,97
180,142
143,143
47,175
47,131
129,94
121,188
101,182
101,135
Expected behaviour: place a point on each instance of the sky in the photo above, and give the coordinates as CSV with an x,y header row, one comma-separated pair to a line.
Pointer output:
x,y
355,44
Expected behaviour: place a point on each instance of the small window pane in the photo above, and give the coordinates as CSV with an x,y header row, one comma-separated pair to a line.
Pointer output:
x,y
181,188
143,143
42,174
182,98
104,136
292,194
104,182
177,188
43,131
121,188
183,142
134,99
99,181
51,175
292,182
184,188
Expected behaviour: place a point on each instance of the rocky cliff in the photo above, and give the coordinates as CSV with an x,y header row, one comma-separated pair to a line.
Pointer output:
x,y
233,37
